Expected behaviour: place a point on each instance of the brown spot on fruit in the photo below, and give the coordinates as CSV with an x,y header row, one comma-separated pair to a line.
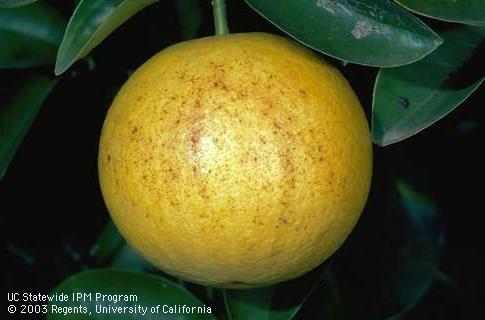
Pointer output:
x,y
195,133
203,192
195,139
269,103
220,84
172,173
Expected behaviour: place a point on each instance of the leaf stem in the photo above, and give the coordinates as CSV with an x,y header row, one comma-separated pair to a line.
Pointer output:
x,y
220,17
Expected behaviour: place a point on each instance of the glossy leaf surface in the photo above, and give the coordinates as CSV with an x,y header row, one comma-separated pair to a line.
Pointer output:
x,y
29,35
375,33
90,24
149,291
465,11
411,98
17,115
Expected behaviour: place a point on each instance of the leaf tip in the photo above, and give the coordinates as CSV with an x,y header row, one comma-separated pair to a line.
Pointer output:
x,y
60,68
438,41
383,140
379,142
3,171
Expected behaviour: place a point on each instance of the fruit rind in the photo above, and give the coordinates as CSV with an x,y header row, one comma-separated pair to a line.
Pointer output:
x,y
235,161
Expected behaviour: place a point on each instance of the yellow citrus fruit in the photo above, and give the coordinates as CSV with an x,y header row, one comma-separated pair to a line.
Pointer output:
x,y
235,161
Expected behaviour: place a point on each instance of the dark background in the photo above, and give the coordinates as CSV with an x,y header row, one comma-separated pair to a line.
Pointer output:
x,y
51,209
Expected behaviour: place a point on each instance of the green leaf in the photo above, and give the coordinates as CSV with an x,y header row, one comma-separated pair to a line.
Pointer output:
x,y
109,242
419,254
331,306
18,113
464,11
368,32
111,249
411,98
326,301
127,258
190,17
394,254
150,291
90,24
279,302
29,35
14,3
242,304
